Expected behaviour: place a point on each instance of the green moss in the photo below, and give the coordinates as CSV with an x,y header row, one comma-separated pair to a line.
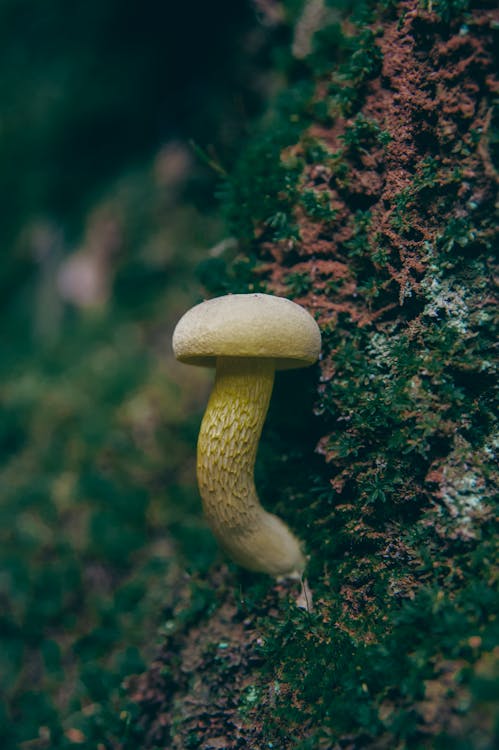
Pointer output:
x,y
328,45
299,284
362,62
317,205
358,243
233,275
262,190
314,151
363,134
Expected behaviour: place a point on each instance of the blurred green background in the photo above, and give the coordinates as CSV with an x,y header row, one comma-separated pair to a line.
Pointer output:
x,y
117,121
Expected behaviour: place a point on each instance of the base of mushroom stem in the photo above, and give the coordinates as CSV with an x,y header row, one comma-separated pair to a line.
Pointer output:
x,y
304,600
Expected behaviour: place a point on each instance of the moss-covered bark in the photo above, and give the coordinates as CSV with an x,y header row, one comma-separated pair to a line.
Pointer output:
x,y
369,199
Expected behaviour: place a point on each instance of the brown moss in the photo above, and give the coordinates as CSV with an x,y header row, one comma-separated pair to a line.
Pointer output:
x,y
431,97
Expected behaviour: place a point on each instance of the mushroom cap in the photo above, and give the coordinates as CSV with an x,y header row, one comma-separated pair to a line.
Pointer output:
x,y
247,325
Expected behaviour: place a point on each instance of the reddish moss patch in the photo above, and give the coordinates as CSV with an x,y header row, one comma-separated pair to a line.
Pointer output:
x,y
409,159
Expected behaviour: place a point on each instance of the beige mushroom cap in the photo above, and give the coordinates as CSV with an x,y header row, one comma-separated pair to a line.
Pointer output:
x,y
247,325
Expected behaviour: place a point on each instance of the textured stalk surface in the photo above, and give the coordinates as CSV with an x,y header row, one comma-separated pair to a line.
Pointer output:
x,y
227,447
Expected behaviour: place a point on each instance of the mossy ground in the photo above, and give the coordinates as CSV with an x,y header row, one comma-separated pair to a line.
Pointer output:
x,y
98,500
369,199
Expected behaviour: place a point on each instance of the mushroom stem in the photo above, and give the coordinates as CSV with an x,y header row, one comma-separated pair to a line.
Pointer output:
x,y
227,447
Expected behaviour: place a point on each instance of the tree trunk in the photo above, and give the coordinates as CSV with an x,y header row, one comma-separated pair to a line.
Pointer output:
x,y
369,199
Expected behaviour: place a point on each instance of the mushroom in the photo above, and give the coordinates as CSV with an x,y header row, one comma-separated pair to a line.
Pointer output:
x,y
246,337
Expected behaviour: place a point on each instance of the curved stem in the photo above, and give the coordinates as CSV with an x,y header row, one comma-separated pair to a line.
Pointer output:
x,y
227,447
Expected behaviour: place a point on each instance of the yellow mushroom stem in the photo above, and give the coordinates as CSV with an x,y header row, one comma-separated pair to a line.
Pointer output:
x,y
227,447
